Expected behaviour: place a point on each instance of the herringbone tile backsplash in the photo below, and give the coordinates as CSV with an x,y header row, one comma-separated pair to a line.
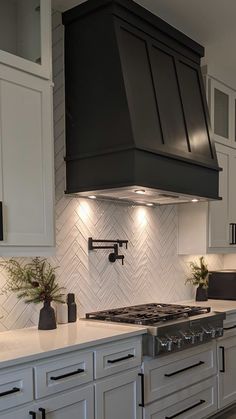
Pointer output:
x,y
152,270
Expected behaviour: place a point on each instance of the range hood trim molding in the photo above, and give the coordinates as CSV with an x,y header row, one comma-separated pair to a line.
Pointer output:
x,y
144,172
117,150
87,7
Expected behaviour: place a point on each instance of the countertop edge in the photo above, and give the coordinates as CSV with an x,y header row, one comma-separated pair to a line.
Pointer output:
x,y
21,360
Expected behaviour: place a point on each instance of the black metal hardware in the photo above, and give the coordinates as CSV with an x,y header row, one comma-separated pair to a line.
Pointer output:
x,y
69,374
1,222
114,256
43,412
33,414
185,369
113,361
223,359
142,404
232,227
230,328
186,410
12,391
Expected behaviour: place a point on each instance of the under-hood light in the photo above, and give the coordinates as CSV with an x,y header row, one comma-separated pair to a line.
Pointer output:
x,y
140,191
195,200
92,197
149,205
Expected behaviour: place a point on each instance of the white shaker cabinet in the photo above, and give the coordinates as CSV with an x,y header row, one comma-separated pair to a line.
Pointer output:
x,y
25,36
119,397
220,230
222,107
26,162
78,404
211,227
227,371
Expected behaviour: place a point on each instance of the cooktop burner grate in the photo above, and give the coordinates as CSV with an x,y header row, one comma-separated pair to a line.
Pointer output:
x,y
147,314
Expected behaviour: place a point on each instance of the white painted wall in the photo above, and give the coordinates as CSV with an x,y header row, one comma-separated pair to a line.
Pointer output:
x,y
152,271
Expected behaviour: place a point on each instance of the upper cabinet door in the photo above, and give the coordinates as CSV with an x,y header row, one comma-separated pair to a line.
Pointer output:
x,y
26,137
25,35
219,210
222,103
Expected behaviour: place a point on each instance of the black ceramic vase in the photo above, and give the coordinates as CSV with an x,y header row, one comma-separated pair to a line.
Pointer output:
x,y
201,294
47,317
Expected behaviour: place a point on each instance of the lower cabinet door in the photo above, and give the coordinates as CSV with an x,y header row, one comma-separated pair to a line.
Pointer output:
x,y
195,402
77,404
227,371
119,397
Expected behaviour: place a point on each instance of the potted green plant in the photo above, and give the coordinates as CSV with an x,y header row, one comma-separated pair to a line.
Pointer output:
x,y
199,278
35,282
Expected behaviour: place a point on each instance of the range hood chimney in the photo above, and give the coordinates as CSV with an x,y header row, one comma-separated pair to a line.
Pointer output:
x,y
137,123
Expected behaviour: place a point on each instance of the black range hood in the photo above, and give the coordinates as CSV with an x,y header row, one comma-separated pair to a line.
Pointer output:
x,y
137,123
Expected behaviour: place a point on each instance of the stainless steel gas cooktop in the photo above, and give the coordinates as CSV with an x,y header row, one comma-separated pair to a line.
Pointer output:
x,y
147,314
171,327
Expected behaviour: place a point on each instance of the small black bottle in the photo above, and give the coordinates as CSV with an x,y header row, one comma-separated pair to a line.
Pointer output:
x,y
72,308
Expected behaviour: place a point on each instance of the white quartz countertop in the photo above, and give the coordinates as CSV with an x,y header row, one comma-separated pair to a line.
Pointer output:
x,y
227,306
30,344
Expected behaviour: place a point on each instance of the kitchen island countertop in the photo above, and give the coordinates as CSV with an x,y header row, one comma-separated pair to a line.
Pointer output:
x,y
227,306
30,344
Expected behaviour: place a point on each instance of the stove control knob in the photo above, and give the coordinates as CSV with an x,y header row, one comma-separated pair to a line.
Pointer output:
x,y
170,345
213,333
200,335
177,341
210,332
219,331
193,340
166,344
189,337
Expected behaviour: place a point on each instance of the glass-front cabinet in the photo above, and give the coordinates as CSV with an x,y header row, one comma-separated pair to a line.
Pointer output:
x,y
25,35
222,105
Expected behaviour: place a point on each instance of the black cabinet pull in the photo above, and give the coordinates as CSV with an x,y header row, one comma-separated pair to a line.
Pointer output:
x,y
186,410
70,374
33,414
13,390
1,222
185,369
142,389
230,328
113,361
43,412
223,358
232,227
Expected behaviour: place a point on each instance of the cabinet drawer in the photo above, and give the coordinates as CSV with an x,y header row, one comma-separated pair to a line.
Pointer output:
x,y
195,402
118,357
166,375
16,388
63,373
